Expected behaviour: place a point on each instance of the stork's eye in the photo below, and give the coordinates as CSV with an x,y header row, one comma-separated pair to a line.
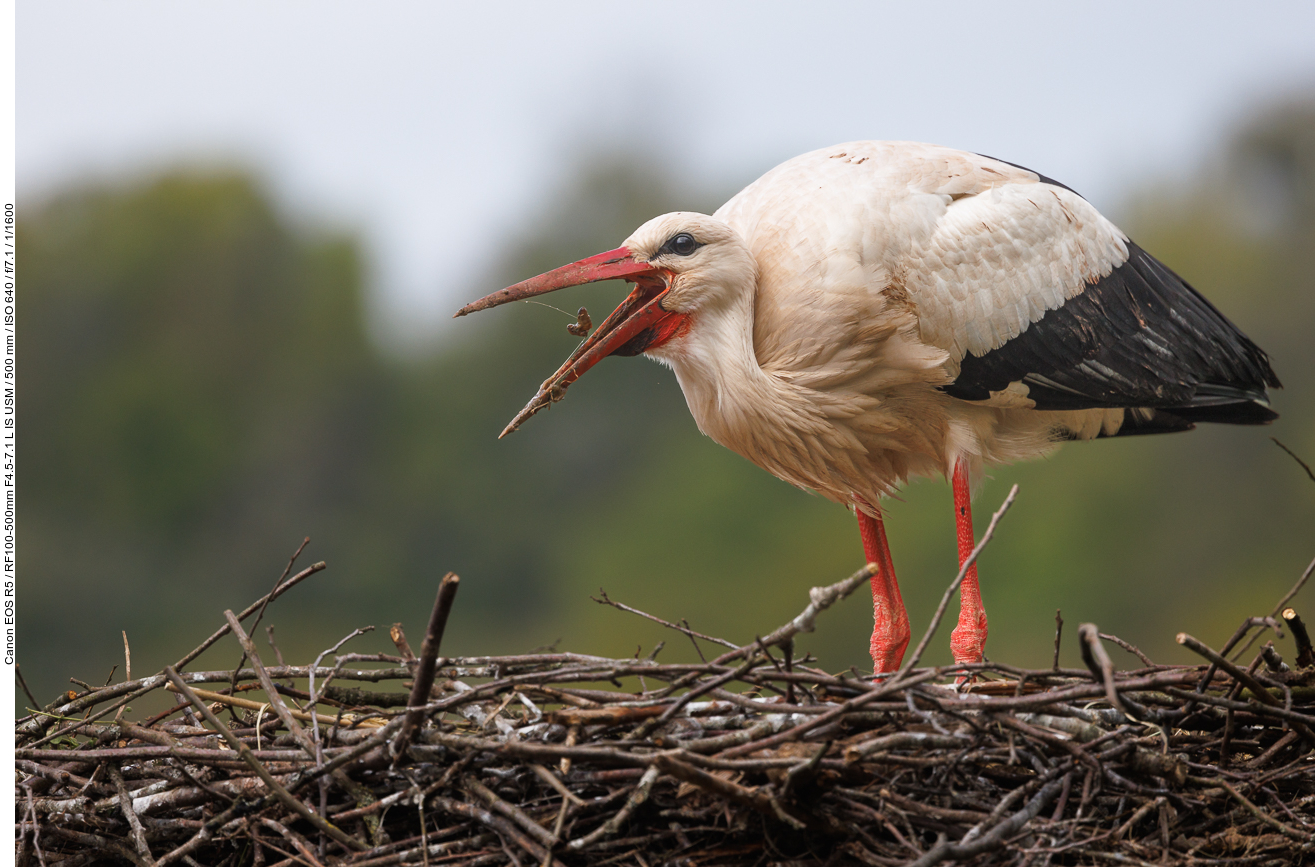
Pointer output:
x,y
682,244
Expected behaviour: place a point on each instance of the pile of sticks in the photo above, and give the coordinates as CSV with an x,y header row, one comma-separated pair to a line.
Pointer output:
x,y
749,757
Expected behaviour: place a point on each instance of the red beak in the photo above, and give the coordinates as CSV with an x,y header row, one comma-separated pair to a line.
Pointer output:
x,y
641,311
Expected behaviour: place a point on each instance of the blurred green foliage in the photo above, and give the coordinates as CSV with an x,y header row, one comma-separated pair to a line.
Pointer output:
x,y
199,393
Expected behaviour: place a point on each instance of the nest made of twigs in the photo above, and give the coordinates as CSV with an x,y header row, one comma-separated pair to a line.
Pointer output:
x,y
748,758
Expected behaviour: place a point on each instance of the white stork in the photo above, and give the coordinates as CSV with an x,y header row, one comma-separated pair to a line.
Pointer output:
x,y
874,311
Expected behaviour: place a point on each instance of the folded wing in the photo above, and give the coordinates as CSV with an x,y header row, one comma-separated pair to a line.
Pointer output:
x,y
1034,292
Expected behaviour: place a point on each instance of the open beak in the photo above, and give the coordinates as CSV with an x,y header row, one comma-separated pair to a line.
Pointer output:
x,y
638,322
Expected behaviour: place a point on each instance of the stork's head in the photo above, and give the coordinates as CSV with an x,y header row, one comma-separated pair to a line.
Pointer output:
x,y
682,263
701,259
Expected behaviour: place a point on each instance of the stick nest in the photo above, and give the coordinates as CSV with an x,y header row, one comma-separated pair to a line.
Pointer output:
x,y
748,758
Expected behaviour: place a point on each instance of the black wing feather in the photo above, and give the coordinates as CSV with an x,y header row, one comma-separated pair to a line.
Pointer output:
x,y
1138,337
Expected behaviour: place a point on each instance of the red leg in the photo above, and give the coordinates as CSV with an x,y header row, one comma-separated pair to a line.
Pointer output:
x,y
890,626
968,639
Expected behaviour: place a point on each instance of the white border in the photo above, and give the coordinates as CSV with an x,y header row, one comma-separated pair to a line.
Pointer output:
x,y
8,407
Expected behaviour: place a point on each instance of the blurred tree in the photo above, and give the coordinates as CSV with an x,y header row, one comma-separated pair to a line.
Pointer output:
x,y
1271,169
196,375
199,394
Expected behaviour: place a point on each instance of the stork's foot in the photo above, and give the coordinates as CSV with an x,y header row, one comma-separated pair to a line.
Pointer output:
x,y
968,643
968,640
890,638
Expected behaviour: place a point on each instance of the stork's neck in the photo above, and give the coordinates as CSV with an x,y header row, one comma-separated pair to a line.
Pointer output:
x,y
726,389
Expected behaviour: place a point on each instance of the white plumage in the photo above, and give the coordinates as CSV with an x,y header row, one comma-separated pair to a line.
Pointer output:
x,y
874,311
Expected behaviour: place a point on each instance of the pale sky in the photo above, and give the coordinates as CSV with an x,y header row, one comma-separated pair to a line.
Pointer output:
x,y
439,130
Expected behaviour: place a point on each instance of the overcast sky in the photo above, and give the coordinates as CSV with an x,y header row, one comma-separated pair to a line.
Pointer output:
x,y
439,129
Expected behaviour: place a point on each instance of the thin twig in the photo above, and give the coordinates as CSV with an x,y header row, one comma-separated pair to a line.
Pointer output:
x,y
259,605
531,827
637,796
1296,588
269,597
1059,632
18,673
1305,466
1102,668
424,678
605,600
1131,648
134,822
